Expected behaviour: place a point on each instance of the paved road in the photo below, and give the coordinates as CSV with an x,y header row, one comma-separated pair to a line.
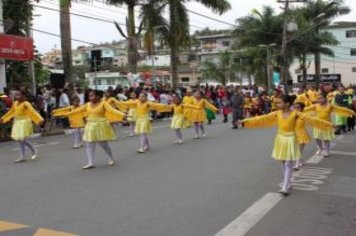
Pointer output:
x,y
195,189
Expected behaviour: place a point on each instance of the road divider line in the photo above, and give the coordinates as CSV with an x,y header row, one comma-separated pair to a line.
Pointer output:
x,y
249,218
8,226
47,232
343,153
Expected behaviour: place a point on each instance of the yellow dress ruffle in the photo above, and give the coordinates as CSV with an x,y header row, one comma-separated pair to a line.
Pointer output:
x,y
21,128
143,125
132,115
178,122
197,110
286,148
324,135
98,129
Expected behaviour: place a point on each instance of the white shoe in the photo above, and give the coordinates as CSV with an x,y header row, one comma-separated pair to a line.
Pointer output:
x,y
146,148
176,141
88,166
111,163
204,135
76,146
35,155
318,152
180,141
131,135
196,137
141,150
19,160
284,192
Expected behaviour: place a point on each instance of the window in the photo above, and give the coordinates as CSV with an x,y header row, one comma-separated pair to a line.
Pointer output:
x,y
298,71
351,34
353,52
185,79
324,70
226,43
354,69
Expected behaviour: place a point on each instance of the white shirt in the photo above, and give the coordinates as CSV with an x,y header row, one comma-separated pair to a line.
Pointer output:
x,y
121,97
63,100
81,98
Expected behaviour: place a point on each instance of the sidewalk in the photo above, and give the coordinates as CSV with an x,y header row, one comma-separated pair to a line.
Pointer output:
x,y
323,201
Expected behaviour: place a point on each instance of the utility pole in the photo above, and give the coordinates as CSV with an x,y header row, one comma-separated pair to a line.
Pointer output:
x,y
31,64
95,74
284,68
2,61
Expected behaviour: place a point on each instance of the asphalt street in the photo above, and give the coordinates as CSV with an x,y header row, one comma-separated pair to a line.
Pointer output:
x,y
194,189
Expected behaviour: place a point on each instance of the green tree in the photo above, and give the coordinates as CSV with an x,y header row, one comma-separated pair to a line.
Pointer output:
x,y
174,31
312,10
223,70
254,30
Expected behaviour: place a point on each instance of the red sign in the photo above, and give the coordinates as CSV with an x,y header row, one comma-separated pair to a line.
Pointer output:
x,y
16,48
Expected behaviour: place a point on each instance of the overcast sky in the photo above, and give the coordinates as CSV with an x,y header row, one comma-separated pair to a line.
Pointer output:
x,y
94,31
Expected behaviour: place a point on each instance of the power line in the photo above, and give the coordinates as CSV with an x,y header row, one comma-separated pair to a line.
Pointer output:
x,y
211,18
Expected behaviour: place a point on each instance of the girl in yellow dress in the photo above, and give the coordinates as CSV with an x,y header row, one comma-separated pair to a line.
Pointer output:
x,y
98,129
197,114
143,123
188,99
286,147
178,121
323,111
132,115
76,121
301,132
23,114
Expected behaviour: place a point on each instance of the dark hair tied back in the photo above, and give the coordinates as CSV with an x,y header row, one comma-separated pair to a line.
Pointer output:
x,y
289,99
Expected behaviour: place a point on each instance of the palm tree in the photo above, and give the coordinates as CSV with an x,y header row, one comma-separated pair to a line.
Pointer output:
x,y
66,41
175,30
222,71
258,28
331,10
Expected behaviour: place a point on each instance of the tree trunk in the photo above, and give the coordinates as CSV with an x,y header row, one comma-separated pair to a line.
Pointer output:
x,y
304,68
132,47
173,46
317,68
66,42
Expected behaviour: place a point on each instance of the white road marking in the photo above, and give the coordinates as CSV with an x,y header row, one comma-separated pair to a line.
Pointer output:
x,y
339,137
343,153
249,218
40,145
315,159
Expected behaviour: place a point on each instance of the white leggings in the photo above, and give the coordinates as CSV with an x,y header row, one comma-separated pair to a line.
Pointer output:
x,y
22,147
90,150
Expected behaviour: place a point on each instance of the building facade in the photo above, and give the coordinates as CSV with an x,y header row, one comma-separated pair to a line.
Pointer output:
x,y
343,63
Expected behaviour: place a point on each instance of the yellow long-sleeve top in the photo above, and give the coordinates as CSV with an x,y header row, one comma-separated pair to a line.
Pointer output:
x,y
286,125
22,110
143,109
116,103
324,112
188,100
202,104
75,120
303,98
313,96
182,108
102,110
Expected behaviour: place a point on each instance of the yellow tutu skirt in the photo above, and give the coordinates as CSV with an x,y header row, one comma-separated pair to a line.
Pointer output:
x,y
132,115
197,116
303,137
286,148
324,135
21,128
143,125
98,129
188,123
178,122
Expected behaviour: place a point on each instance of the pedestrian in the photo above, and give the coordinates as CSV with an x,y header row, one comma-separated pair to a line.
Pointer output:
x,y
237,103
178,121
323,111
302,135
132,115
341,99
225,108
143,123
76,121
98,129
197,114
285,148
23,114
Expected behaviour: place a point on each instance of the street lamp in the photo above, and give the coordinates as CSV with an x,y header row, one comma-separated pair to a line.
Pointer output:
x,y
268,64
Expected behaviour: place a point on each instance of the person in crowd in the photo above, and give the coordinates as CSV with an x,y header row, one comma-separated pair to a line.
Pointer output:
x,y
62,103
76,121
341,99
23,114
285,148
97,129
237,102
